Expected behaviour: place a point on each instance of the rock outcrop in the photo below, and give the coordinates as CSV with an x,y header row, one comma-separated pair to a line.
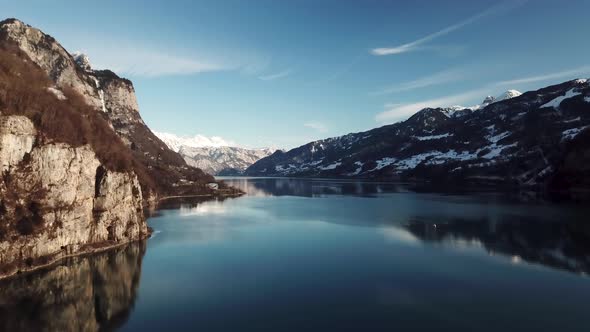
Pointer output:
x,y
58,200
77,162
164,171
50,56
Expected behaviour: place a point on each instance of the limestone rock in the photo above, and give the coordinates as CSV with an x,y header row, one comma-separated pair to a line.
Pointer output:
x,y
64,201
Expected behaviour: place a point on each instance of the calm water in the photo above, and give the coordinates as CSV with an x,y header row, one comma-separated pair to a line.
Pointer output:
x,y
315,255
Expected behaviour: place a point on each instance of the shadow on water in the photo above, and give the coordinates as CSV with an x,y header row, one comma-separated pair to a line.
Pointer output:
x,y
84,293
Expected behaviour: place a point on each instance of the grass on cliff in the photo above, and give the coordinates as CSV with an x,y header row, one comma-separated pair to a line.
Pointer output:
x,y
24,91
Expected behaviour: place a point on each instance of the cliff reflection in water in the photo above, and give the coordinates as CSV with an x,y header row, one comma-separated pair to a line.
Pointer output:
x,y
86,293
560,245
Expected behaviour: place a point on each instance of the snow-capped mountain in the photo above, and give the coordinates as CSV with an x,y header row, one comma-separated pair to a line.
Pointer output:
x,y
214,155
538,137
487,101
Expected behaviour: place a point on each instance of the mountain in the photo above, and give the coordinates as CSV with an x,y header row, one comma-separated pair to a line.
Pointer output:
x,y
175,142
161,171
78,163
538,138
214,155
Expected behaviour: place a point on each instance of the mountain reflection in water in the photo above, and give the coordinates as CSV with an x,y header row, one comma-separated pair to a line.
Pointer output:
x,y
561,245
325,255
540,234
84,293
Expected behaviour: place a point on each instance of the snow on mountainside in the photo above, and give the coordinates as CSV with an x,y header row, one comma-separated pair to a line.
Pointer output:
x,y
536,138
214,155
175,142
461,110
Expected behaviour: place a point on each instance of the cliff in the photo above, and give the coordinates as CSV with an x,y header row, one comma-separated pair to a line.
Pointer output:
x,y
161,171
77,162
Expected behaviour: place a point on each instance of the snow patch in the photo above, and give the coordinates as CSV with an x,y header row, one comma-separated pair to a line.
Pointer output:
x,y
358,170
496,150
499,137
572,133
100,94
330,167
557,101
572,120
415,160
427,138
382,163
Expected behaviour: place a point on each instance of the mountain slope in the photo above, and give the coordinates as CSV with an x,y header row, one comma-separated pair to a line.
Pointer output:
x,y
77,162
161,171
534,138
69,184
213,155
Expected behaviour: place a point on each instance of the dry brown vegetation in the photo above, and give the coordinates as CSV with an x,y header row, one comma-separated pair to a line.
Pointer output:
x,y
23,91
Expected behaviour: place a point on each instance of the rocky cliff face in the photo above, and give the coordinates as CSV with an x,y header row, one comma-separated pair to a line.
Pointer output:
x,y
51,57
77,161
115,99
58,200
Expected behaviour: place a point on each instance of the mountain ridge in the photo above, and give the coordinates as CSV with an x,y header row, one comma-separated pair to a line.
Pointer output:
x,y
516,141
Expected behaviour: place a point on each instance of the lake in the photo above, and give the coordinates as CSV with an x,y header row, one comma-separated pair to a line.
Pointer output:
x,y
326,255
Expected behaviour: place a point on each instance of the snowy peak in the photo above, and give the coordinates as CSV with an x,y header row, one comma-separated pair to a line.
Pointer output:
x,y
508,95
176,142
504,96
214,155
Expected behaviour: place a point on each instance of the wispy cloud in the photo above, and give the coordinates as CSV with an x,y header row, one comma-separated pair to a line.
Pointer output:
x,y
396,112
151,63
571,73
318,126
400,111
446,76
275,76
417,44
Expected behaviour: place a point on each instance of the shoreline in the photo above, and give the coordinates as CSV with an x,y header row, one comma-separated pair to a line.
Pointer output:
x,y
93,248
57,257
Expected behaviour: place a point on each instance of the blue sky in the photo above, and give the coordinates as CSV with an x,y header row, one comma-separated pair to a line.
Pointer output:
x,y
282,73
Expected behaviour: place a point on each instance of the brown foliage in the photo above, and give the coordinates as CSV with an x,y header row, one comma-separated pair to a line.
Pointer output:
x,y
23,91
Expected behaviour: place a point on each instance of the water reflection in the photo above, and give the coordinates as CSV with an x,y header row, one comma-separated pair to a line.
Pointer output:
x,y
553,235
87,293
562,245
263,187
